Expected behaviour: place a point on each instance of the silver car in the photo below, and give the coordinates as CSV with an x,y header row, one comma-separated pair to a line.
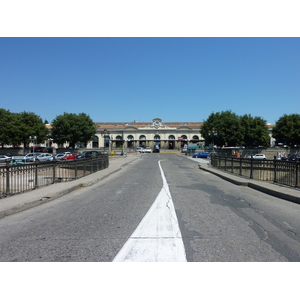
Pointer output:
x,y
59,156
5,158
44,157
31,156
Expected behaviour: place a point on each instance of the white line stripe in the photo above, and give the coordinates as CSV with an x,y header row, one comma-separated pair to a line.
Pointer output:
x,y
157,238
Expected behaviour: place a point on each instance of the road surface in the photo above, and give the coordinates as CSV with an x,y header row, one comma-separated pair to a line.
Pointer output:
x,y
159,208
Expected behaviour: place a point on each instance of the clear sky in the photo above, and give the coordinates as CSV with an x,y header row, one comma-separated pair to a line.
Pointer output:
x,y
126,79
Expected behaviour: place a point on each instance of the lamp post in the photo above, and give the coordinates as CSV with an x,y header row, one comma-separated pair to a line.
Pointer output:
x,y
213,133
32,138
105,133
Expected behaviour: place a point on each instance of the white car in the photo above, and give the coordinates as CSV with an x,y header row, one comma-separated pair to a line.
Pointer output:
x,y
44,157
258,156
147,150
139,149
59,156
5,158
31,156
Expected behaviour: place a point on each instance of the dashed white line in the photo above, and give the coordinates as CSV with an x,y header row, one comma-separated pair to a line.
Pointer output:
x,y
157,238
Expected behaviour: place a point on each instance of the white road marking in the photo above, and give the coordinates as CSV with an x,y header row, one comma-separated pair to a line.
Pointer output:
x,y
157,238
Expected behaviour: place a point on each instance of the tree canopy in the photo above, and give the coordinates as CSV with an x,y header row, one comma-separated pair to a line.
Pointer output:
x,y
228,129
16,128
287,130
255,131
224,128
71,128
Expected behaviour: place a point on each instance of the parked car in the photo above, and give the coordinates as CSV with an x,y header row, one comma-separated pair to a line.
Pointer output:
x,y
39,149
44,157
69,156
257,156
31,156
139,149
5,158
87,154
59,156
156,149
147,150
293,157
201,155
48,150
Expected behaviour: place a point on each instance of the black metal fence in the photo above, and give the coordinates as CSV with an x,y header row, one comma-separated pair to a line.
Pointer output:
x,y
277,171
21,178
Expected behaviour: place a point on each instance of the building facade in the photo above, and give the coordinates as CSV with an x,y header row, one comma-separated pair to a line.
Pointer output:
x,y
165,135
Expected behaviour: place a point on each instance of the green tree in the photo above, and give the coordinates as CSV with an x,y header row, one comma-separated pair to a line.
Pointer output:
x,y
71,128
28,124
7,127
287,130
227,126
255,131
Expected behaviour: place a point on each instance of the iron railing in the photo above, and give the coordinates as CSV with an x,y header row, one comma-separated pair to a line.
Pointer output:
x,y
277,171
21,178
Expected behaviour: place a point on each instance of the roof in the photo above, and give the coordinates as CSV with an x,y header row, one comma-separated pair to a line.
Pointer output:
x,y
122,125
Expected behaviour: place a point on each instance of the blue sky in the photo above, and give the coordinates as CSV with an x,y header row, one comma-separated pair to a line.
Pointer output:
x,y
126,79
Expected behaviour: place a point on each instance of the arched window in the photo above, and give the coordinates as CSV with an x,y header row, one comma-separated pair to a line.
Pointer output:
x,y
142,137
130,137
195,137
184,137
119,137
157,137
171,137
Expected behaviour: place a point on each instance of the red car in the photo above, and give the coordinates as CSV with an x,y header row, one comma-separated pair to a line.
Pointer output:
x,y
69,156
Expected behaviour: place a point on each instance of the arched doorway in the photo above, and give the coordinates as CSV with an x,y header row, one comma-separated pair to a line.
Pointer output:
x,y
184,141
119,141
171,144
130,141
142,140
95,141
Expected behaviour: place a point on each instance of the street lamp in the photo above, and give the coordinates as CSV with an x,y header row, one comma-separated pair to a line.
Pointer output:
x,y
32,138
105,135
213,133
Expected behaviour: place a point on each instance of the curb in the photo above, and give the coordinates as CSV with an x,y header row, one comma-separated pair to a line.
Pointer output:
x,y
254,185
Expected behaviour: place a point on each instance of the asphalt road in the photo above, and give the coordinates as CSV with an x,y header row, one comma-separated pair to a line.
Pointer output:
x,y
218,221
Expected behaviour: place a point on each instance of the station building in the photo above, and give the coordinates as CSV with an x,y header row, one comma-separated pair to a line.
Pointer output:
x,y
165,135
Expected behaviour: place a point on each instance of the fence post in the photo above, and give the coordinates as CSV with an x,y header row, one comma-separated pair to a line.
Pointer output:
x,y
36,176
275,171
75,169
7,181
231,164
251,168
297,172
53,174
240,166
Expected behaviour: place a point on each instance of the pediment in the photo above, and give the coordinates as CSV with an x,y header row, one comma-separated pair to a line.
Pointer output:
x,y
130,128
184,128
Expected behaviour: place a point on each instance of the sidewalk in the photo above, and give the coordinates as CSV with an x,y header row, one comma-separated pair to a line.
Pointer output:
x,y
280,191
20,202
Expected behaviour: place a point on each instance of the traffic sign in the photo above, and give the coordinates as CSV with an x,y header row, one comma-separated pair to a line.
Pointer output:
x,y
18,160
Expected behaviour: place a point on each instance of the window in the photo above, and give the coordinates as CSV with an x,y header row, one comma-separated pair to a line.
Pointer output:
x,y
130,137
171,137
157,137
142,137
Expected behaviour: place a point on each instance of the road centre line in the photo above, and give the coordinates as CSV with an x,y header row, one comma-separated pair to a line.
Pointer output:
x,y
157,238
